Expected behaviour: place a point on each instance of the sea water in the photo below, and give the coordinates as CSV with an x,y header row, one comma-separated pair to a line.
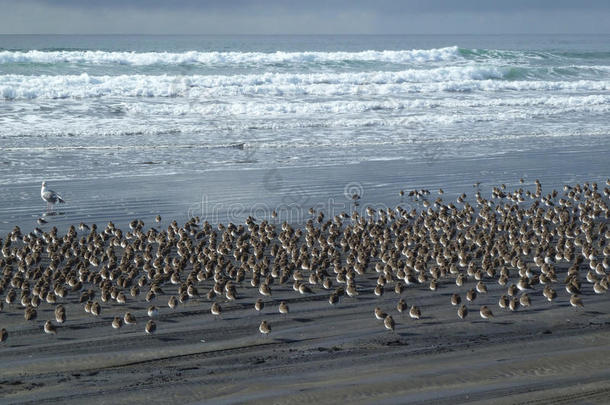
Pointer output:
x,y
118,106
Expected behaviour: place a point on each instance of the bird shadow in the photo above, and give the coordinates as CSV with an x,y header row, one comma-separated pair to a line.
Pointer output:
x,y
167,339
234,318
76,327
302,320
432,323
399,341
361,298
503,323
286,340
52,213
534,309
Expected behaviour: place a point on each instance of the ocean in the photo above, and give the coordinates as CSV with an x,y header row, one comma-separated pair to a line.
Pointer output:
x,y
88,107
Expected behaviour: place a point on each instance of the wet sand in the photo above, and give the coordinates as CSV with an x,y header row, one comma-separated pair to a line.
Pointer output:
x,y
233,195
548,353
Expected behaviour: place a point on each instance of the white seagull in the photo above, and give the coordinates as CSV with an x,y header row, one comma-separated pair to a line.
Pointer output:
x,y
50,196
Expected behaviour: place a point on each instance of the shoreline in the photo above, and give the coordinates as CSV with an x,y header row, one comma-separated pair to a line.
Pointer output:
x,y
235,194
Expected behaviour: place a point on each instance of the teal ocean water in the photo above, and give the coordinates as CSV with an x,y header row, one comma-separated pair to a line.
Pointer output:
x,y
116,106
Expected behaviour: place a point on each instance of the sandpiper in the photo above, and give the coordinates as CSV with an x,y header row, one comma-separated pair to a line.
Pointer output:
x,y
414,312
30,314
49,328
486,312
264,328
576,301
388,322
264,289
60,314
152,311
283,308
481,287
379,314
401,306
513,303
216,309
598,288
120,298
351,290
117,322
96,309
129,318
259,305
304,289
150,327
549,293
462,312
471,295
525,300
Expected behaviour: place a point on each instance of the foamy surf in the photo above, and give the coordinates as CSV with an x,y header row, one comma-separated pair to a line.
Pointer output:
x,y
459,79
290,101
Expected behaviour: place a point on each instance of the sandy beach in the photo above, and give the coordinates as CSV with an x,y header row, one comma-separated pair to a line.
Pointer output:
x,y
547,353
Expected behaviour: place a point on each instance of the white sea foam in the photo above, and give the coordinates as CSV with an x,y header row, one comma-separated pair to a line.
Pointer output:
x,y
147,126
447,79
226,58
447,105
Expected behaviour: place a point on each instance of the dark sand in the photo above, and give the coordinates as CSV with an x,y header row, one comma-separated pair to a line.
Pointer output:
x,y
548,353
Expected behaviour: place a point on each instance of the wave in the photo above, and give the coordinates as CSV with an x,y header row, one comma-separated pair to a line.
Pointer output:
x,y
590,103
319,141
204,87
529,55
215,58
72,148
226,58
149,130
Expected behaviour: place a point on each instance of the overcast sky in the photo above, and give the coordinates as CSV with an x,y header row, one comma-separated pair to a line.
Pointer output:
x,y
304,17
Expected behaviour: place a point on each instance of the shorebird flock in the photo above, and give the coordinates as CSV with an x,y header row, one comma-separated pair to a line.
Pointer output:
x,y
554,245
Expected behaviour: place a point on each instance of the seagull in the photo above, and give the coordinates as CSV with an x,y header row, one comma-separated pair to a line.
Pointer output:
x,y
50,196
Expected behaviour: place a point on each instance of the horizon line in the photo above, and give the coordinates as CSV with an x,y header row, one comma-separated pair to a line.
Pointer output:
x,y
303,34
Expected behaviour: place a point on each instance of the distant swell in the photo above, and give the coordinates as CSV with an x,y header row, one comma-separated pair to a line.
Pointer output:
x,y
225,58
